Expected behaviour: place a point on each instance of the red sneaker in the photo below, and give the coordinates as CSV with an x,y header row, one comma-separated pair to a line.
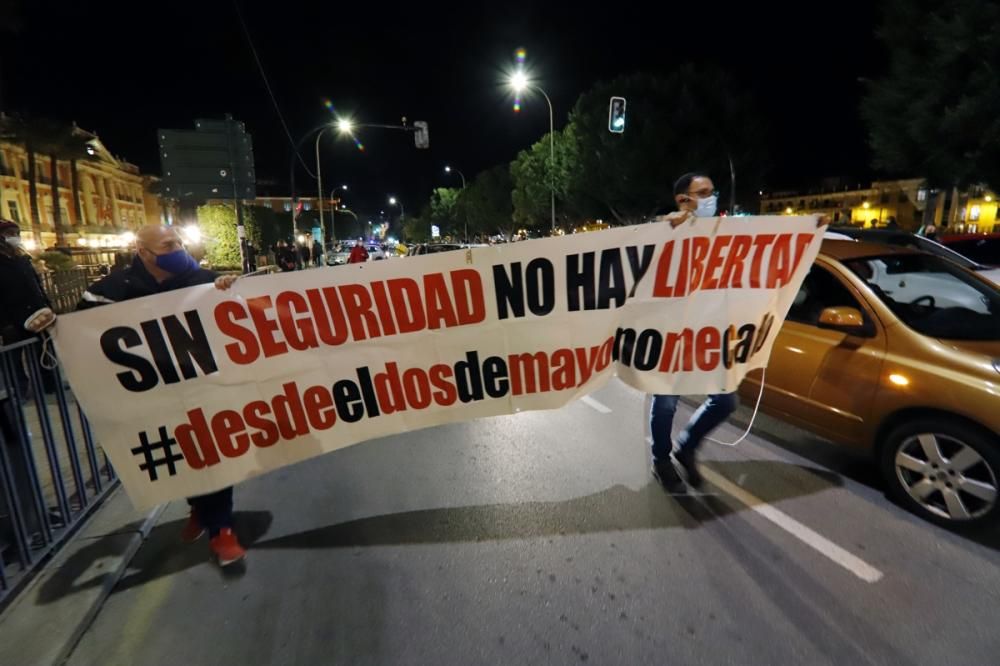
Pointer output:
x,y
226,548
192,530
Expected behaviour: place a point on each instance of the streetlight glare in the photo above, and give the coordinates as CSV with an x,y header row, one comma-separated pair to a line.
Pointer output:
x,y
345,126
518,81
447,169
392,200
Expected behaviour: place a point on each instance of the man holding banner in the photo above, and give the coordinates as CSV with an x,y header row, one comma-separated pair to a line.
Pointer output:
x,y
162,264
696,197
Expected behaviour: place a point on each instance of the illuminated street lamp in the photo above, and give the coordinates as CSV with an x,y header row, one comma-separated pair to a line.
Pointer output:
x,y
344,126
395,202
519,82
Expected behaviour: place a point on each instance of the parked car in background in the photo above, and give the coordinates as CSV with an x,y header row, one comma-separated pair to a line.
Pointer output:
x,y
982,248
897,352
337,255
432,248
905,239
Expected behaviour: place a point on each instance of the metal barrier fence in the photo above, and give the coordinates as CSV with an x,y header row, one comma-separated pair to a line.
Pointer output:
x,y
65,287
52,473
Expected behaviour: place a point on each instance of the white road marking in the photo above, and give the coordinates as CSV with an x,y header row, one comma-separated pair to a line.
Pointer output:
x,y
806,535
590,402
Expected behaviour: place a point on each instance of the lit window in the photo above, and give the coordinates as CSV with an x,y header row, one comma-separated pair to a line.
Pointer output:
x,y
921,195
288,206
974,214
307,206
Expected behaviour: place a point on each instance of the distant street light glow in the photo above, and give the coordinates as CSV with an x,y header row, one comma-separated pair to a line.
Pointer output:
x,y
345,126
518,81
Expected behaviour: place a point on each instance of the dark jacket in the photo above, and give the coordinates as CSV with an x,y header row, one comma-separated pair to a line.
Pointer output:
x,y
136,282
21,295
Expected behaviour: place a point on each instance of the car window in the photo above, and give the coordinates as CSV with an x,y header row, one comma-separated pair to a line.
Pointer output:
x,y
927,245
820,290
933,296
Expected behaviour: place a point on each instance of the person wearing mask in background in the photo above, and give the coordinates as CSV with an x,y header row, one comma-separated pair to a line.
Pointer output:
x,y
359,254
24,312
162,264
696,197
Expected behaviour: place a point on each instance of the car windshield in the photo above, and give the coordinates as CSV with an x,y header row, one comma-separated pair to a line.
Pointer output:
x,y
927,245
933,296
984,250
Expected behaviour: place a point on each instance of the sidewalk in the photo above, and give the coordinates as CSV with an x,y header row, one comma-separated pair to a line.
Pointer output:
x,y
46,620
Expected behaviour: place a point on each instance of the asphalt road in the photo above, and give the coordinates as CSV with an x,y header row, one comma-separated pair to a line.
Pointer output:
x,y
540,538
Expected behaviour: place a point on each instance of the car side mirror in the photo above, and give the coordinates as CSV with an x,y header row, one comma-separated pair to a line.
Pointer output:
x,y
846,319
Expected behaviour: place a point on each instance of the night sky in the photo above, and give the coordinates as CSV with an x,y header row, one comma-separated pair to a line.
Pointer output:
x,y
125,69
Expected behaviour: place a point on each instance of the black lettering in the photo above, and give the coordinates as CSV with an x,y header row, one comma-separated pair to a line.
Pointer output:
x,y
495,377
741,352
160,351
611,283
509,290
639,265
190,345
142,376
578,278
624,345
368,392
541,285
347,397
647,349
468,378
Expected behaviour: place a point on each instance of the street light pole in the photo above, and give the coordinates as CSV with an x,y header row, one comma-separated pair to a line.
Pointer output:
x,y
319,182
461,175
519,81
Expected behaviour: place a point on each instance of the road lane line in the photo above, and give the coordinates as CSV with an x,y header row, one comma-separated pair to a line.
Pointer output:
x,y
590,402
806,535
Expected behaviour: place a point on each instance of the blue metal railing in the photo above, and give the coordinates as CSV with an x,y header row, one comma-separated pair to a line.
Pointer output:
x,y
52,473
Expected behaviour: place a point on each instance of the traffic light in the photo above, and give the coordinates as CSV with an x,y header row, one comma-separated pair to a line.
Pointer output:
x,y
421,137
616,115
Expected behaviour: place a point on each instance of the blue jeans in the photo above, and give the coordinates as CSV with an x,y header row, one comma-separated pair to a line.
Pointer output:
x,y
710,415
215,510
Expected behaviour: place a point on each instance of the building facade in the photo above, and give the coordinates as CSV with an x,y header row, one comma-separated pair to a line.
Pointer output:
x,y
114,197
907,201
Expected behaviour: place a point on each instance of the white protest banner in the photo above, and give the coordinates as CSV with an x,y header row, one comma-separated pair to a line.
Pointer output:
x,y
196,389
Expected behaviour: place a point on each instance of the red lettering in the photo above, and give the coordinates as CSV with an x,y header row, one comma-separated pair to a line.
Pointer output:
x,y
660,287
299,333
707,347
265,327
446,393
469,303
389,391
678,358
225,424
319,407
382,305
407,304
715,262
225,315
358,305
759,244
700,246
732,274
337,334
802,241
779,262
195,441
288,412
439,307
417,388
253,415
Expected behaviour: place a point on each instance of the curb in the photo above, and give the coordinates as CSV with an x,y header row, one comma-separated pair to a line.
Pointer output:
x,y
42,630
109,584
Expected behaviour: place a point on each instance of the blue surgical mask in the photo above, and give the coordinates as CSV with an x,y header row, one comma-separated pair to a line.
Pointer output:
x,y
176,262
706,206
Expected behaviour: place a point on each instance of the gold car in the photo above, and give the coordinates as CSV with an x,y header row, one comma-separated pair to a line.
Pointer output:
x,y
897,352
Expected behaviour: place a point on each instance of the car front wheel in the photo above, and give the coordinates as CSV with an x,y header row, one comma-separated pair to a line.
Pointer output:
x,y
945,471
